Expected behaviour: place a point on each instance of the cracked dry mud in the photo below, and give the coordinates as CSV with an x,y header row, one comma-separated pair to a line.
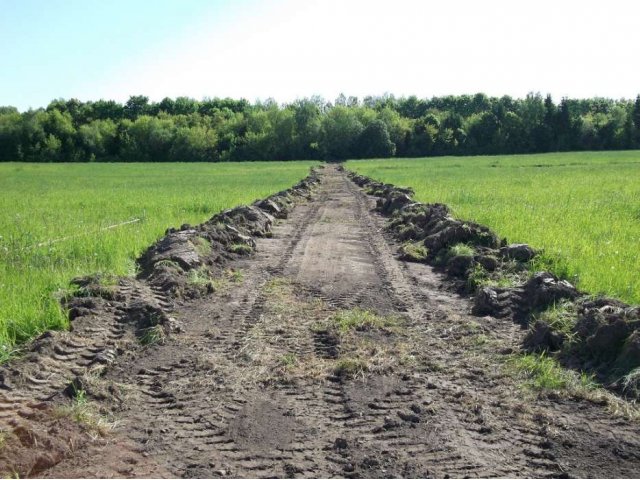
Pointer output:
x,y
256,385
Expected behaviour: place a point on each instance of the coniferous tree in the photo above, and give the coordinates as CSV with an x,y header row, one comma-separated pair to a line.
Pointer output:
x,y
636,118
563,126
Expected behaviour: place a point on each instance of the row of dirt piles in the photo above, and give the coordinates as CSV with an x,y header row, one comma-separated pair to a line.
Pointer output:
x,y
43,417
180,261
600,335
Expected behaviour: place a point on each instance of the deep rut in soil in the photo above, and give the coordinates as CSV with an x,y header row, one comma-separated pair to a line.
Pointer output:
x,y
261,382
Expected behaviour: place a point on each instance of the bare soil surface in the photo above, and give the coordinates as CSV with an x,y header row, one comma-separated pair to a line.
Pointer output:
x,y
261,381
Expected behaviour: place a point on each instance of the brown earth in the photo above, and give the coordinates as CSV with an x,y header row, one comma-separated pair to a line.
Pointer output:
x,y
260,381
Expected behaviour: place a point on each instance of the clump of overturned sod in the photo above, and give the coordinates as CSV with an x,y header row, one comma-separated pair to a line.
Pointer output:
x,y
413,251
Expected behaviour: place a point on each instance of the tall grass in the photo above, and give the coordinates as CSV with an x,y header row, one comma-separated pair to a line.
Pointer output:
x,y
54,219
583,209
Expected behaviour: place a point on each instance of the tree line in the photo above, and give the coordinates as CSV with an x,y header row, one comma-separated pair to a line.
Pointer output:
x,y
185,129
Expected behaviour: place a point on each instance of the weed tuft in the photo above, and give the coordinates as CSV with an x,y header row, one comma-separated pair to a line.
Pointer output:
x,y
561,316
631,383
152,336
200,277
235,276
540,372
350,368
240,248
359,319
414,251
166,263
461,250
82,411
480,277
289,360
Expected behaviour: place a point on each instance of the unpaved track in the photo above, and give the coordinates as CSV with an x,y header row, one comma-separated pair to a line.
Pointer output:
x,y
248,388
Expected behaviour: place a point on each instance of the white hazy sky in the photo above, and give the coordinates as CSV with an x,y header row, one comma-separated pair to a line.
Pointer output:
x,y
288,49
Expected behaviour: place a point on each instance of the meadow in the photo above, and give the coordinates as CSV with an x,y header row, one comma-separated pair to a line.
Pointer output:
x,y
58,221
581,209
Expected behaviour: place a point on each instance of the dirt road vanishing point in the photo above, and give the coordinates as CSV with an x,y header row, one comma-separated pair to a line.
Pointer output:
x,y
323,355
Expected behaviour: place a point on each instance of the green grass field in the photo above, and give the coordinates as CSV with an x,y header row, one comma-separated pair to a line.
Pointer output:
x,y
54,223
583,209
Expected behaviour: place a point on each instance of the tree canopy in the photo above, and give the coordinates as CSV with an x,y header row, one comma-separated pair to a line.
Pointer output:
x,y
215,129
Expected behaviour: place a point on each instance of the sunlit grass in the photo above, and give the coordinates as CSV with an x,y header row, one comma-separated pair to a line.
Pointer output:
x,y
541,372
582,209
54,221
359,319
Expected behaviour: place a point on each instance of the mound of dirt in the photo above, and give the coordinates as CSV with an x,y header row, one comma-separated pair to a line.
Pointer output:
x,y
40,436
542,338
206,248
439,233
607,334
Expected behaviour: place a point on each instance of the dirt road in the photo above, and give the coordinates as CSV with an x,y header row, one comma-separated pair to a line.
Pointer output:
x,y
264,380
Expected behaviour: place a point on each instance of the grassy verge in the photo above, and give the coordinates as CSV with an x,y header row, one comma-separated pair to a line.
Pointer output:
x,y
582,209
63,220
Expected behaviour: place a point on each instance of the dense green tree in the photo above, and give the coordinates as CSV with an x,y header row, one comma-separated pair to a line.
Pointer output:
x,y
210,105
636,119
8,110
482,132
166,105
149,139
185,106
423,138
98,139
399,129
106,110
513,134
412,107
374,141
51,149
32,135
450,121
10,134
307,118
340,130
480,103
193,144
563,127
136,105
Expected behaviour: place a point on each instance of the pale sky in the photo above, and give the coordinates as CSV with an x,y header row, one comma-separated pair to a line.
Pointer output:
x,y
287,49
